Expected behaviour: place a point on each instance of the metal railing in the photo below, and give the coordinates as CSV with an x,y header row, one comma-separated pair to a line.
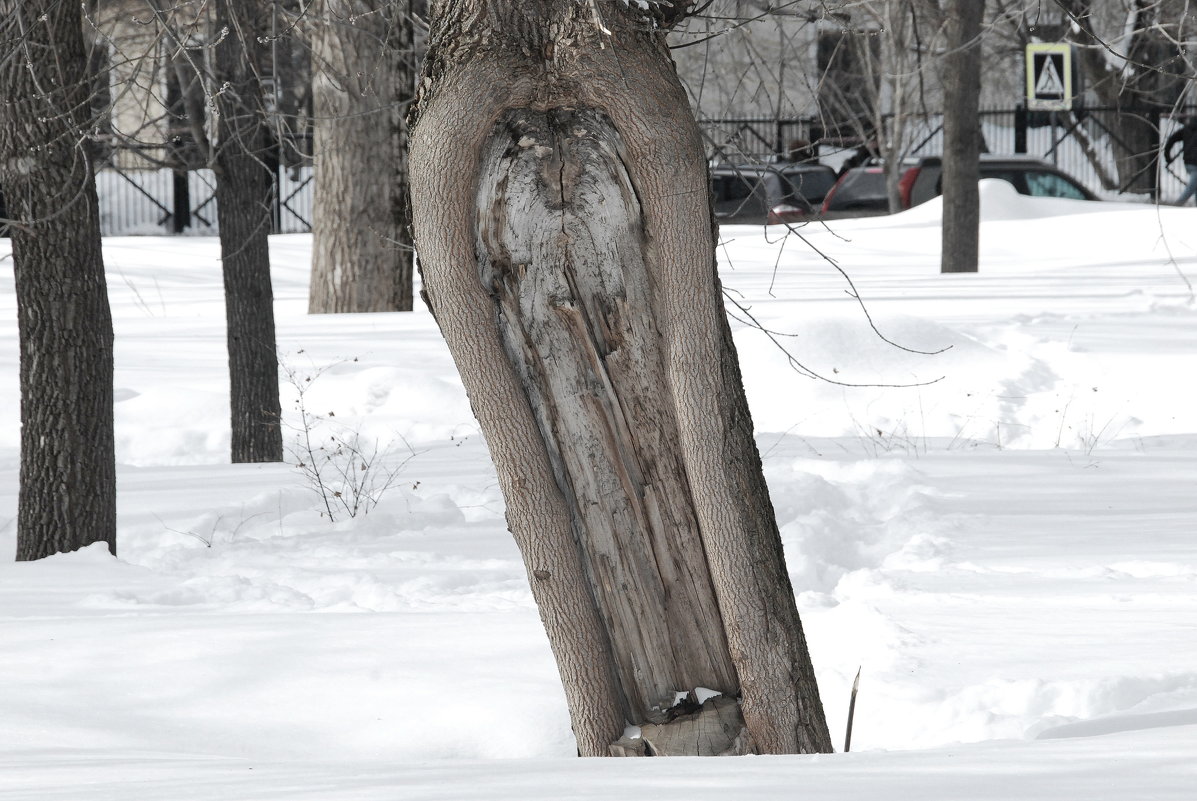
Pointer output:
x,y
164,201
1114,152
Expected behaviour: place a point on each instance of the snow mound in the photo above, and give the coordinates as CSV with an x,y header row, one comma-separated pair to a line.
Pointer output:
x,y
1000,201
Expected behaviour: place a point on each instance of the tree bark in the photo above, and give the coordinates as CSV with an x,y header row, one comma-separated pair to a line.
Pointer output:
x,y
363,60
244,201
961,137
563,221
68,469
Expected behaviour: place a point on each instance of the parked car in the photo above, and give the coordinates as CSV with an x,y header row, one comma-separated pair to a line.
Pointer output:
x,y
766,194
861,192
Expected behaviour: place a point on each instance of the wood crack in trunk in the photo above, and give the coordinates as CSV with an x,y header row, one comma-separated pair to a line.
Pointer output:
x,y
560,245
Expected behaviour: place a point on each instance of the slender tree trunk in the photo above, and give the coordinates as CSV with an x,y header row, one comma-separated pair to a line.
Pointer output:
x,y
404,58
244,198
180,203
566,244
362,57
961,137
895,53
68,470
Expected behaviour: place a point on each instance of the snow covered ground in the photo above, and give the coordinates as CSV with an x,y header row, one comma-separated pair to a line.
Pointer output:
x,y
1003,535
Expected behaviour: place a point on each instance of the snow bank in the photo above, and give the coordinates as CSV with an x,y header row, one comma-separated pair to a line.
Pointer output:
x,y
992,514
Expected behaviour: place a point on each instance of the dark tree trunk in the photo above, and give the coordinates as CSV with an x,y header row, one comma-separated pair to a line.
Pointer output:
x,y
961,137
563,221
68,471
363,62
404,60
180,217
244,198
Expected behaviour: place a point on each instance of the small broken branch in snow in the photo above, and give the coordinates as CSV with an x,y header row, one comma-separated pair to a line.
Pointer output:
x,y
851,713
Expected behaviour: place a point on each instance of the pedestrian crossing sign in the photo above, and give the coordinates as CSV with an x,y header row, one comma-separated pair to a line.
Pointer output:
x,y
1049,77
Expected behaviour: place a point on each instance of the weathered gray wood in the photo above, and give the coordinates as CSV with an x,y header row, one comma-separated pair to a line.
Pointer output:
x,y
560,246
714,729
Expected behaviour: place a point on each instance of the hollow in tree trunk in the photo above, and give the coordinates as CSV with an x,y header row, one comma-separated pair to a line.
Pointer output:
x,y
563,221
68,469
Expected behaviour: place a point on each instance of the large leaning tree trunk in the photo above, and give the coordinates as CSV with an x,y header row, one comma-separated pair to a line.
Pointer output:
x,y
961,136
244,207
563,222
363,62
68,468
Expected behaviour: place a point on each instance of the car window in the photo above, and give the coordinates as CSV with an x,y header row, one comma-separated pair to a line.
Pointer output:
x,y
738,195
926,184
733,187
1012,177
860,189
1047,184
810,187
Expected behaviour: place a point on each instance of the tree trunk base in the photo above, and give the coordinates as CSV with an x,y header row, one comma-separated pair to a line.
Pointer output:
x,y
716,728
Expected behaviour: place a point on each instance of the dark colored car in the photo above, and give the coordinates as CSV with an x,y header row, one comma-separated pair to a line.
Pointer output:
x,y
860,192
1029,176
766,194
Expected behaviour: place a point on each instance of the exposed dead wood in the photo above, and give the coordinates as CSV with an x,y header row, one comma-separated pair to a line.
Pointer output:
x,y
562,217
716,728
561,250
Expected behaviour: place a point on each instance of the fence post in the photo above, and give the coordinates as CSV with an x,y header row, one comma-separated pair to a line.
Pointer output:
x,y
180,216
274,164
178,133
1020,128
1155,154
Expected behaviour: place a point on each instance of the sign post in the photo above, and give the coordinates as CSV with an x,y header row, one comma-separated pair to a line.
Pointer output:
x,y
1049,77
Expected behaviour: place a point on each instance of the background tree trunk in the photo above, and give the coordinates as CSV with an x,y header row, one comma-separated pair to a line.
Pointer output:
x,y
68,470
244,198
563,221
961,137
1133,57
363,62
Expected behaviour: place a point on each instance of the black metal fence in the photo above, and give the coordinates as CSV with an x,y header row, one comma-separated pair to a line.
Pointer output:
x,y
1115,152
165,201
